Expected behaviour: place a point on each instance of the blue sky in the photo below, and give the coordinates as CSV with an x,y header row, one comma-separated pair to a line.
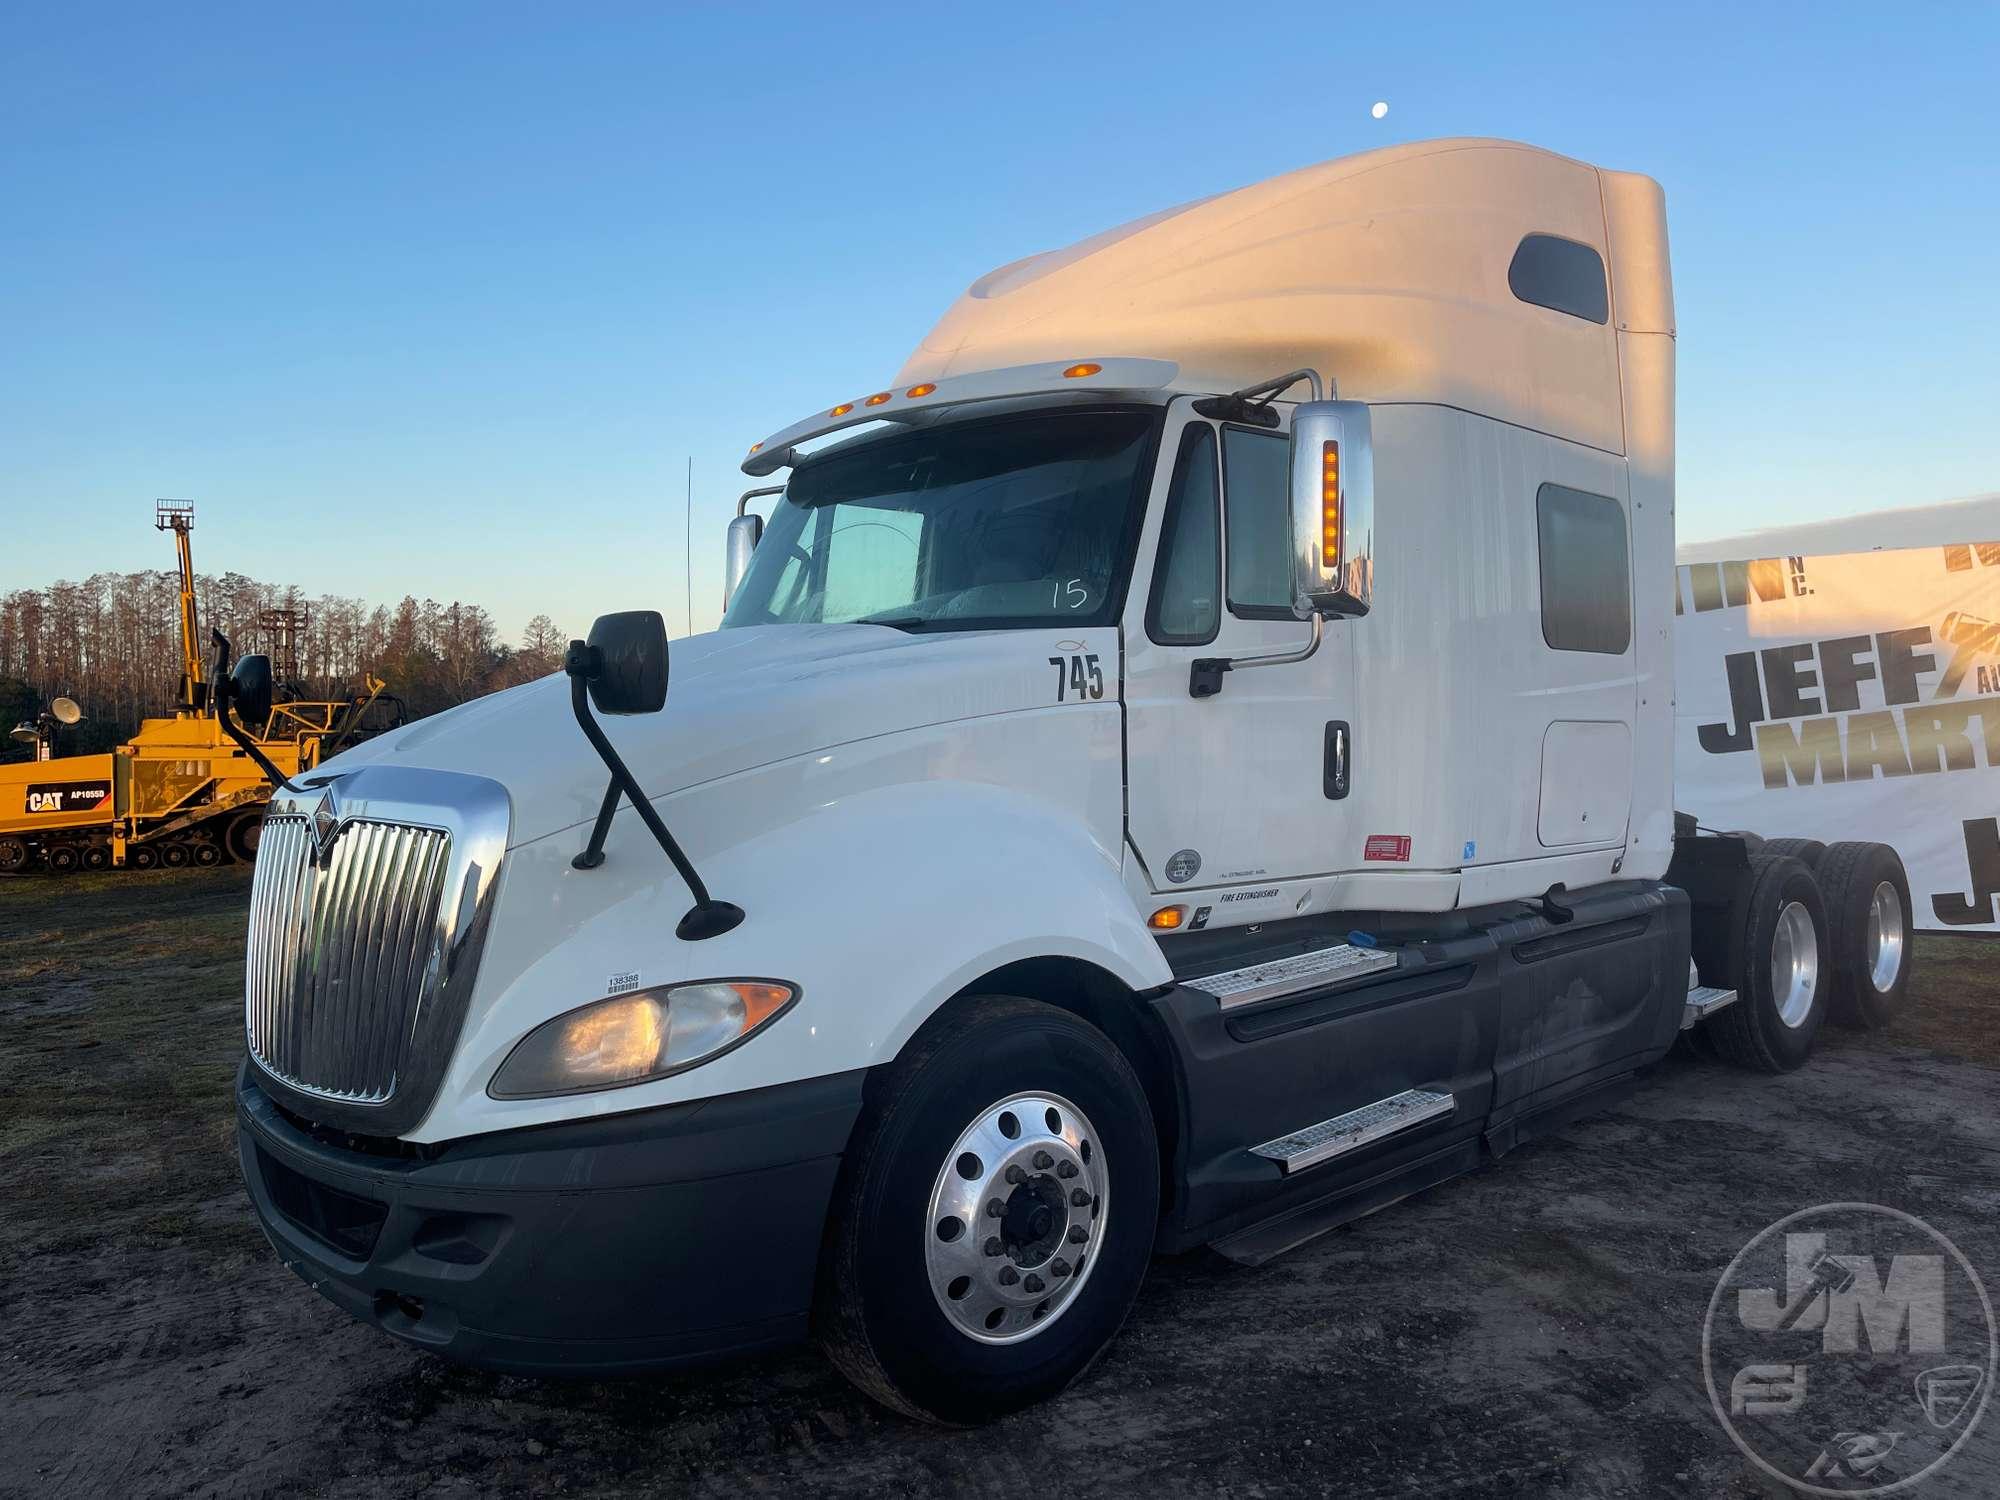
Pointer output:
x,y
440,299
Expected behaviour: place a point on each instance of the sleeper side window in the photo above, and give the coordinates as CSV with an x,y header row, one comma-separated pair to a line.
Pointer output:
x,y
1562,275
1186,606
1256,490
1586,571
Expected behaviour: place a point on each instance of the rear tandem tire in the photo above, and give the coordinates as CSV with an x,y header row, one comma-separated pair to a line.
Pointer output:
x,y
1808,852
1778,965
880,1309
1869,920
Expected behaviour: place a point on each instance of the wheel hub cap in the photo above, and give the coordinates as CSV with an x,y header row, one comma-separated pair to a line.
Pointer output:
x,y
1885,938
1794,964
1016,1214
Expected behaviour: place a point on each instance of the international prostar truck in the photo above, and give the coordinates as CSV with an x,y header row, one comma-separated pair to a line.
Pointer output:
x,y
1193,769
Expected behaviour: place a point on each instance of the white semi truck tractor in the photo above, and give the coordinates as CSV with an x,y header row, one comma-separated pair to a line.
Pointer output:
x,y
1193,768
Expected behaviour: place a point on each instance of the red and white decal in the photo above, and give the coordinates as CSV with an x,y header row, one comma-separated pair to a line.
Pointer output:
x,y
1387,846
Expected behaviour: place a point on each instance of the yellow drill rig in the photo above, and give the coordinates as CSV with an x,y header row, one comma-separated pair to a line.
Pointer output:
x,y
181,791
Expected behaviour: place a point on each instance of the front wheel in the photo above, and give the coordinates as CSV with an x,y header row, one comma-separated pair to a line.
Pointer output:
x,y
994,1217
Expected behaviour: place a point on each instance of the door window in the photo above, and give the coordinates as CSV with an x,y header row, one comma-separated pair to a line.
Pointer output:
x,y
1256,488
1186,607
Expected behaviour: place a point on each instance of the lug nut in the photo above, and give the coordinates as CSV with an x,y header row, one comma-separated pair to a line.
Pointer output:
x,y
1077,1235
1008,1276
1059,1267
994,1247
1015,1175
1066,1171
1043,1161
995,1208
1077,1196
1034,1286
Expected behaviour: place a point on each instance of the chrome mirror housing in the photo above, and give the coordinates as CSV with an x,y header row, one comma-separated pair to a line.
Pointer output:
x,y
1333,509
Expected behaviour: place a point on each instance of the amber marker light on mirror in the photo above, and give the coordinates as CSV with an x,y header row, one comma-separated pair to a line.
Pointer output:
x,y
1167,918
1078,372
1329,502
918,392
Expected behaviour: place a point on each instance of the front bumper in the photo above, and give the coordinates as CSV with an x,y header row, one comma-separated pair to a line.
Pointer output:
x,y
621,1244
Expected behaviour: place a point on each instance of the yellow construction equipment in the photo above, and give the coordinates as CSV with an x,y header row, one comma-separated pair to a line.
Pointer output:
x,y
180,791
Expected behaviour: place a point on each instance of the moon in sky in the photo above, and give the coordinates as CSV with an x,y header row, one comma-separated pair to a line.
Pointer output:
x,y
1381,108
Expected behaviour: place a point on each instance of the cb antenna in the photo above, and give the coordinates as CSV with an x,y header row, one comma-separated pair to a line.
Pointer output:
x,y
687,545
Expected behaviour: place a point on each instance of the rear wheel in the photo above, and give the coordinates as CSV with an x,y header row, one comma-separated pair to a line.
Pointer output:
x,y
1778,967
207,855
142,857
13,856
64,858
994,1217
174,856
97,857
1808,852
1869,922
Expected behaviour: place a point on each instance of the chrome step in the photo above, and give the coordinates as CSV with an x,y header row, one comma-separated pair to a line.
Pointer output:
x,y
1356,1128
1284,976
1705,1000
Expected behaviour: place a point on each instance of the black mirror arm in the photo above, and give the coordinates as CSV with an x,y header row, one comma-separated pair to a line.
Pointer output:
x,y
708,917
221,695
247,745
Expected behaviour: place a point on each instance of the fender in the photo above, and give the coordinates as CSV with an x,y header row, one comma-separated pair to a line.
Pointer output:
x,y
937,882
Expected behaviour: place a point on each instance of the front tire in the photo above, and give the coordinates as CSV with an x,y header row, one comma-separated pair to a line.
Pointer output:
x,y
931,1301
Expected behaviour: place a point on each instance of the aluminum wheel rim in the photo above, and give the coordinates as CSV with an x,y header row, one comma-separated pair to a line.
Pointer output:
x,y
1794,964
1016,1214
1885,938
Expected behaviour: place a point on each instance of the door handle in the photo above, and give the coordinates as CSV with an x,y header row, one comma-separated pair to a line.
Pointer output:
x,y
1339,760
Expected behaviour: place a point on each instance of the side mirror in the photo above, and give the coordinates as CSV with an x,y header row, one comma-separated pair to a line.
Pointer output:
x,y
745,532
1333,508
250,689
624,662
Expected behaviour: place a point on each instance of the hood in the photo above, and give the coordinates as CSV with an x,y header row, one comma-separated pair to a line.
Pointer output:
x,y
736,699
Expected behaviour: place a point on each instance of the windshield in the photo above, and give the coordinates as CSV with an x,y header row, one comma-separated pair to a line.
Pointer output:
x,y
1015,521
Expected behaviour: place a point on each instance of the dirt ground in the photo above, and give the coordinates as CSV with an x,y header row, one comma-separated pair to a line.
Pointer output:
x,y
1533,1329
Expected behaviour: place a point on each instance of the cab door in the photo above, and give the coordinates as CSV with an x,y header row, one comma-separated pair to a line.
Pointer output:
x,y
1251,783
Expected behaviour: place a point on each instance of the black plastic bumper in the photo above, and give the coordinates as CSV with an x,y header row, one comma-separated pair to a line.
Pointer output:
x,y
629,1243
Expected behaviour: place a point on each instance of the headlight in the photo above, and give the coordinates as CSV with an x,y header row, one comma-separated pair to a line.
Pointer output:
x,y
644,1035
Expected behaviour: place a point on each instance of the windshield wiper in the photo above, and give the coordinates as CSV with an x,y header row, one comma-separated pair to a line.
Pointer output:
x,y
895,622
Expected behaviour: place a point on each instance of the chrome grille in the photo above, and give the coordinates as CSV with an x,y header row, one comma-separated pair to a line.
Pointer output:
x,y
344,956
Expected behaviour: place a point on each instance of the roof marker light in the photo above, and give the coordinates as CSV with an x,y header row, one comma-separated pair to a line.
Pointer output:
x,y
1077,372
919,390
842,410
877,399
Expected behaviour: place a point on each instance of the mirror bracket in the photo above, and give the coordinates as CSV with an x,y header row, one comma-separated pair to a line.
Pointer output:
x,y
225,693
1205,675
708,917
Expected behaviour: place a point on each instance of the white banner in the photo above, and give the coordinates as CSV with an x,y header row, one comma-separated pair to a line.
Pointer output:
x,y
1851,697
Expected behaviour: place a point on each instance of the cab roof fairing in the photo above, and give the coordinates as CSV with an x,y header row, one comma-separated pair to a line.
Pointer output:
x,y
1113,376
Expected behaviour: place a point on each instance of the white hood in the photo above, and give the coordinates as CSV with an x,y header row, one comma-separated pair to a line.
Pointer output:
x,y
736,699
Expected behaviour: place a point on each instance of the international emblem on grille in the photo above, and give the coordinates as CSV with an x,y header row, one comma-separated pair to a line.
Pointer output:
x,y
325,825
